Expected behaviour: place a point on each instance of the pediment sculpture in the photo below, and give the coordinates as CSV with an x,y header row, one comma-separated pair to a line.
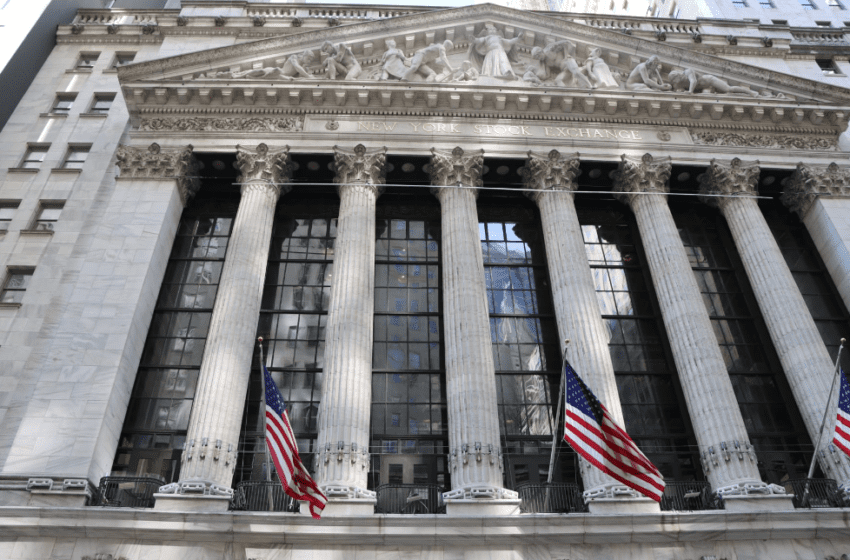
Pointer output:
x,y
491,58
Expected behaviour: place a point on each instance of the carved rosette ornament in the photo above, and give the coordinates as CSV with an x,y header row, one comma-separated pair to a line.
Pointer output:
x,y
155,163
811,181
456,168
360,166
264,165
550,172
723,180
642,174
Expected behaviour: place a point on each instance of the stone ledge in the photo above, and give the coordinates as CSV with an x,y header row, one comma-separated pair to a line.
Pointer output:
x,y
24,170
47,232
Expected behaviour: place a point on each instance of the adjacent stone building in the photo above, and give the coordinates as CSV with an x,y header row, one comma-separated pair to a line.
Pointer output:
x,y
414,209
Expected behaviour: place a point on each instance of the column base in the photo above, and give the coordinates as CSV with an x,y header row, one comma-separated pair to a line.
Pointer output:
x,y
623,505
754,502
344,507
193,503
481,507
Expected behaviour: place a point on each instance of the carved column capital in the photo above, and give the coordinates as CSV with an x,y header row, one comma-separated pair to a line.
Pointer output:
x,y
456,167
734,178
644,174
550,172
155,163
265,164
361,167
811,181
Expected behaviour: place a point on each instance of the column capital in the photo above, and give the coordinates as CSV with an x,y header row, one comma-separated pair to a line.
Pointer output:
x,y
456,167
266,165
733,178
644,174
361,166
550,172
811,181
155,163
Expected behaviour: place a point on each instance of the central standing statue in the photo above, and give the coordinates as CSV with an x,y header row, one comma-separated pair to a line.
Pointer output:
x,y
494,53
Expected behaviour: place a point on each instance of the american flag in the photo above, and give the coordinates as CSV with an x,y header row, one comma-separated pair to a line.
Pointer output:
x,y
594,435
842,424
284,452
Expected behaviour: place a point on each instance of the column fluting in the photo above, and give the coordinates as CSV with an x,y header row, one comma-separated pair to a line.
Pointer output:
x,y
475,452
345,409
808,366
727,456
209,458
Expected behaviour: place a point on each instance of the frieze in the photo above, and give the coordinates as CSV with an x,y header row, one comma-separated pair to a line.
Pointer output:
x,y
234,124
764,141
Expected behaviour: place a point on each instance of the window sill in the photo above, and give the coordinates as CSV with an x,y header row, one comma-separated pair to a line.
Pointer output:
x,y
79,71
54,115
110,71
9,305
93,115
24,170
47,232
66,170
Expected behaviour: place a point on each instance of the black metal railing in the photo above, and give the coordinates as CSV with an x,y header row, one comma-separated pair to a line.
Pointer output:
x,y
127,491
410,498
555,497
689,496
823,493
262,495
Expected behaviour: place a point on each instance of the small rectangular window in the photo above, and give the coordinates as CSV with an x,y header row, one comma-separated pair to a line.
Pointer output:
x,y
779,21
767,4
7,212
827,66
86,61
121,59
63,103
739,3
808,4
102,103
823,23
48,215
34,156
835,4
16,284
75,157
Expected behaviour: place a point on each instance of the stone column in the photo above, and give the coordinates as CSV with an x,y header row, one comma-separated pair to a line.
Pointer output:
x,y
727,456
807,364
209,457
820,195
475,452
577,309
345,410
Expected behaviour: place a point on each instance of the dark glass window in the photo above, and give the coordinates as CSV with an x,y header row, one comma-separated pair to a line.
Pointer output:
x,y
292,324
158,416
770,413
653,406
409,418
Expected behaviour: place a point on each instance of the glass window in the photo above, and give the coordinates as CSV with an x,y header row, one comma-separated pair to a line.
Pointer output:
x,y
808,4
75,157
34,157
827,66
63,103
767,4
15,286
86,61
7,212
102,103
739,3
835,4
48,214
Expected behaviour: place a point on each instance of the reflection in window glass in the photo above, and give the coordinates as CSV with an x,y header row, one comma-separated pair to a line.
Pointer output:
x,y
158,416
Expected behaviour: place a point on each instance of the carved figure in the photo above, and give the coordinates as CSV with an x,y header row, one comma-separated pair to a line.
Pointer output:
x,y
292,68
558,58
393,63
466,73
598,72
705,83
420,63
494,53
341,60
647,77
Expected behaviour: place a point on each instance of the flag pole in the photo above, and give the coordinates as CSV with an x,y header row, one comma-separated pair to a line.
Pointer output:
x,y
822,424
558,412
263,416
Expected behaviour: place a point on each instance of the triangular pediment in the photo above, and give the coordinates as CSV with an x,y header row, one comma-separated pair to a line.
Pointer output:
x,y
495,57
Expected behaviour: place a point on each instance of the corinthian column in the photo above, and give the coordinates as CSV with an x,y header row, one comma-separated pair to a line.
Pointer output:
x,y
711,401
345,409
820,195
209,457
475,453
807,364
577,311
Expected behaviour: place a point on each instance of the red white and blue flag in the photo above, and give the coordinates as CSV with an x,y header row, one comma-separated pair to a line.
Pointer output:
x,y
842,424
594,435
283,450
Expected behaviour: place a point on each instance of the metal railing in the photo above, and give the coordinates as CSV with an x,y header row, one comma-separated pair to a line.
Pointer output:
x,y
410,498
823,493
262,495
127,491
689,496
555,497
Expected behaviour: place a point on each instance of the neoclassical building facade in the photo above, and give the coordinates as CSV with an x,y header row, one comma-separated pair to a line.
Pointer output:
x,y
414,211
